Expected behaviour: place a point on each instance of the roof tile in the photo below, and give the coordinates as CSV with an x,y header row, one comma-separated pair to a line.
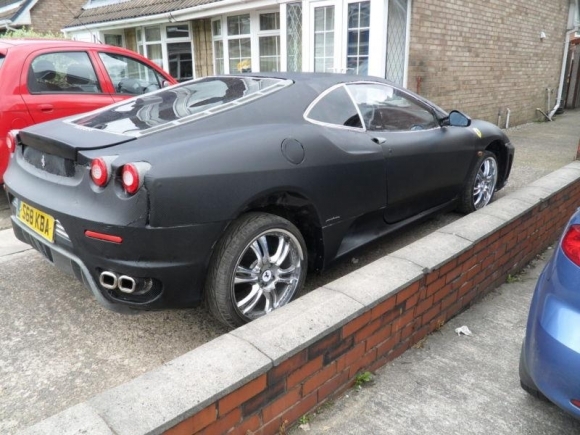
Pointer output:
x,y
133,9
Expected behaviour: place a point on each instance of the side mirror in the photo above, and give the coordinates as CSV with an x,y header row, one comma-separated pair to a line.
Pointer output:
x,y
458,119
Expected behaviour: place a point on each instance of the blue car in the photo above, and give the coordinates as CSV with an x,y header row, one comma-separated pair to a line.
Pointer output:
x,y
550,357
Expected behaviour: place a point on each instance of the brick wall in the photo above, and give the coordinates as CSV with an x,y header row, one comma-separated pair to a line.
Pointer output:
x,y
325,368
480,57
53,15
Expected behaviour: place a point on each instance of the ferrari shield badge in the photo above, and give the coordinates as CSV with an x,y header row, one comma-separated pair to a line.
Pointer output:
x,y
477,131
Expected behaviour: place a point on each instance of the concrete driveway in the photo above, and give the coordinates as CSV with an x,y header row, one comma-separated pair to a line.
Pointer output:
x,y
58,346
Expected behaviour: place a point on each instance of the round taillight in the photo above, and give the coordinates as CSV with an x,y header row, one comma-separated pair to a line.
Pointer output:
x,y
99,172
11,142
131,178
571,244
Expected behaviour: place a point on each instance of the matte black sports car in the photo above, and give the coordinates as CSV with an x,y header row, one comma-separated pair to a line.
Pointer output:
x,y
229,188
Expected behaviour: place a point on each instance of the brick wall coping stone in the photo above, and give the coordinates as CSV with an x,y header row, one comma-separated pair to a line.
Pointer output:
x,y
164,397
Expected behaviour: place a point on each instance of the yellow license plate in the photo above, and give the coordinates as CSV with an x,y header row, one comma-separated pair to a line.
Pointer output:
x,y
41,223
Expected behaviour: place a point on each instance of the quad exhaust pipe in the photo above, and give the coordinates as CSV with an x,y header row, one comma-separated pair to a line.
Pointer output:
x,y
111,281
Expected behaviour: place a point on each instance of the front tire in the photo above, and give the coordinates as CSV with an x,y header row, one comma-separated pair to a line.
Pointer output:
x,y
480,186
259,265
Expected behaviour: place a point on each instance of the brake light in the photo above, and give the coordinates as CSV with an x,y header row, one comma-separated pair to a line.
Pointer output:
x,y
571,244
133,175
100,171
11,141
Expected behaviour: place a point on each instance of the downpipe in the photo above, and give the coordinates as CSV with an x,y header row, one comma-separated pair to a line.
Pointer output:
x,y
562,73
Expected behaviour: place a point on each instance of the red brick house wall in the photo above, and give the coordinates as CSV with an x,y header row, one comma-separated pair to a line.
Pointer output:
x,y
53,15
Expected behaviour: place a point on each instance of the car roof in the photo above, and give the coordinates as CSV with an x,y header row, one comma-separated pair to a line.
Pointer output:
x,y
319,81
326,78
35,43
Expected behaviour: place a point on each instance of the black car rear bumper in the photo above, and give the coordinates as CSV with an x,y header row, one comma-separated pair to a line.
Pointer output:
x,y
168,265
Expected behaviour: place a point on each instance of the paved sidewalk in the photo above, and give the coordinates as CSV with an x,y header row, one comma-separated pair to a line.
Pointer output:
x,y
10,246
450,384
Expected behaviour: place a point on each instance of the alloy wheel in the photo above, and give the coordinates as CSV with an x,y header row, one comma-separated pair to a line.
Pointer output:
x,y
485,182
267,273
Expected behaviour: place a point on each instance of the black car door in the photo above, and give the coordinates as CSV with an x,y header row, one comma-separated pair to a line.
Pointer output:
x,y
424,169
426,165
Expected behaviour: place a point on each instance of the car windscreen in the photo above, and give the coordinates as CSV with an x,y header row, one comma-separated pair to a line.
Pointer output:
x,y
1,59
181,103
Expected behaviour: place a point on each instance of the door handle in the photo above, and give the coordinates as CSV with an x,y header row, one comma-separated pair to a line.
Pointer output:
x,y
46,107
379,140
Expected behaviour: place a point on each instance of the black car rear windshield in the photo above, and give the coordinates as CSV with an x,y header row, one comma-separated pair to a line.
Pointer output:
x,y
182,103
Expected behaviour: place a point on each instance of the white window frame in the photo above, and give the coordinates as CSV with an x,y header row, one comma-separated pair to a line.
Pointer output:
x,y
227,38
377,35
112,33
254,36
338,32
346,29
383,40
216,38
142,44
260,33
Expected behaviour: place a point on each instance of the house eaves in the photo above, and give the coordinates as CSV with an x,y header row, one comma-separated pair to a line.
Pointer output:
x,y
133,10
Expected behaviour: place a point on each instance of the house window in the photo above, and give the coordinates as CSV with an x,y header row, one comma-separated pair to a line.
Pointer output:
x,y
294,36
239,44
116,40
342,39
149,44
218,47
269,42
169,46
396,41
180,62
324,39
179,53
177,31
358,38
246,43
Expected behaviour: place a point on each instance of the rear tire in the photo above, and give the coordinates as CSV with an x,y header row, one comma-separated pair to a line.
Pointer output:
x,y
259,265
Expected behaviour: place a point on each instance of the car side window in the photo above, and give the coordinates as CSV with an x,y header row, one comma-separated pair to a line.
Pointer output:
x,y
336,108
62,72
385,108
129,76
